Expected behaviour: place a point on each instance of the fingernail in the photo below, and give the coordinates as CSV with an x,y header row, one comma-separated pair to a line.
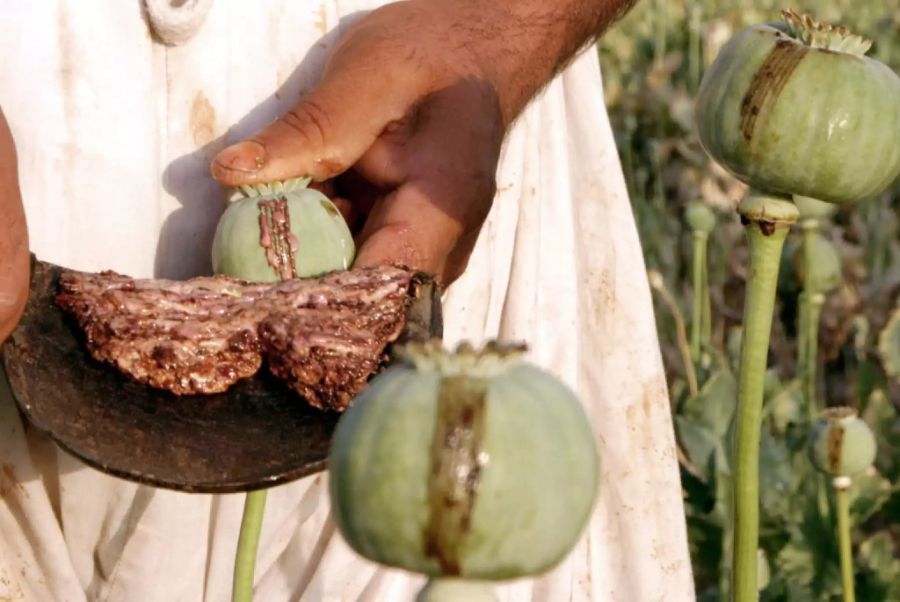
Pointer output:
x,y
247,156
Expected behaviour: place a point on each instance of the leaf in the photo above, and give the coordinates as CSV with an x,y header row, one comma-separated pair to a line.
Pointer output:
x,y
877,555
764,570
804,492
723,510
797,562
714,406
786,407
704,422
699,499
808,564
700,443
879,580
868,493
892,507
868,377
733,346
710,594
881,416
775,479
880,413
705,549
772,383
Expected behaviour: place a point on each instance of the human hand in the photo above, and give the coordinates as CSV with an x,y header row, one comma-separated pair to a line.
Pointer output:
x,y
14,259
404,129
404,119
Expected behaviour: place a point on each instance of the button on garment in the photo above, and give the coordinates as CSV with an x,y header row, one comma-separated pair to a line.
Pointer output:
x,y
115,125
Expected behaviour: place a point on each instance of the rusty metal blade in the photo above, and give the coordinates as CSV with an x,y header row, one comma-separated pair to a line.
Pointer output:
x,y
257,434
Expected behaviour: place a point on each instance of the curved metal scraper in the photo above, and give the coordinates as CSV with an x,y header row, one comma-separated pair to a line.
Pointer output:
x,y
257,434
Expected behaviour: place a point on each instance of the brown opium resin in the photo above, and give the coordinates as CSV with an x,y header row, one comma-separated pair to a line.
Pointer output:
x,y
276,238
457,460
323,336
768,82
329,357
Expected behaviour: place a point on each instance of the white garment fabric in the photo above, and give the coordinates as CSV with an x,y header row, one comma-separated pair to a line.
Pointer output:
x,y
115,130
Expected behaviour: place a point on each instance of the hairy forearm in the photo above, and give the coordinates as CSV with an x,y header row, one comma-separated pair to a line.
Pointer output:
x,y
14,262
524,43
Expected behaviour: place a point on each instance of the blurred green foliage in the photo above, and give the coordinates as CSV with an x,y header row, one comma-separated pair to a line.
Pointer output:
x,y
653,61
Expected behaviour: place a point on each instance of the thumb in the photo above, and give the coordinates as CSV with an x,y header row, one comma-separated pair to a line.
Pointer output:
x,y
328,130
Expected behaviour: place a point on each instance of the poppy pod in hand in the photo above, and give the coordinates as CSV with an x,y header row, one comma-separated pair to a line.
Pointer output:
x,y
278,231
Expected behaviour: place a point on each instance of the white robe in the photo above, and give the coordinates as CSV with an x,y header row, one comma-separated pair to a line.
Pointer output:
x,y
114,132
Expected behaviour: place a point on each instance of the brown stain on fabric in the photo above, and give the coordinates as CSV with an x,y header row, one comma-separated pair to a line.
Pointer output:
x,y
66,57
652,392
768,82
456,466
321,22
202,119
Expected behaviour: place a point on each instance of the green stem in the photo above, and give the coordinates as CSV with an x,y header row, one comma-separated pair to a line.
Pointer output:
x,y
821,485
659,49
767,220
814,301
802,344
452,589
726,574
810,305
700,294
841,486
694,52
811,323
659,285
878,247
706,328
248,544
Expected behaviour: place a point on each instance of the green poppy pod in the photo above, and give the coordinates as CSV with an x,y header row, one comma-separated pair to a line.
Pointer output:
x,y
273,232
799,109
840,443
472,464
